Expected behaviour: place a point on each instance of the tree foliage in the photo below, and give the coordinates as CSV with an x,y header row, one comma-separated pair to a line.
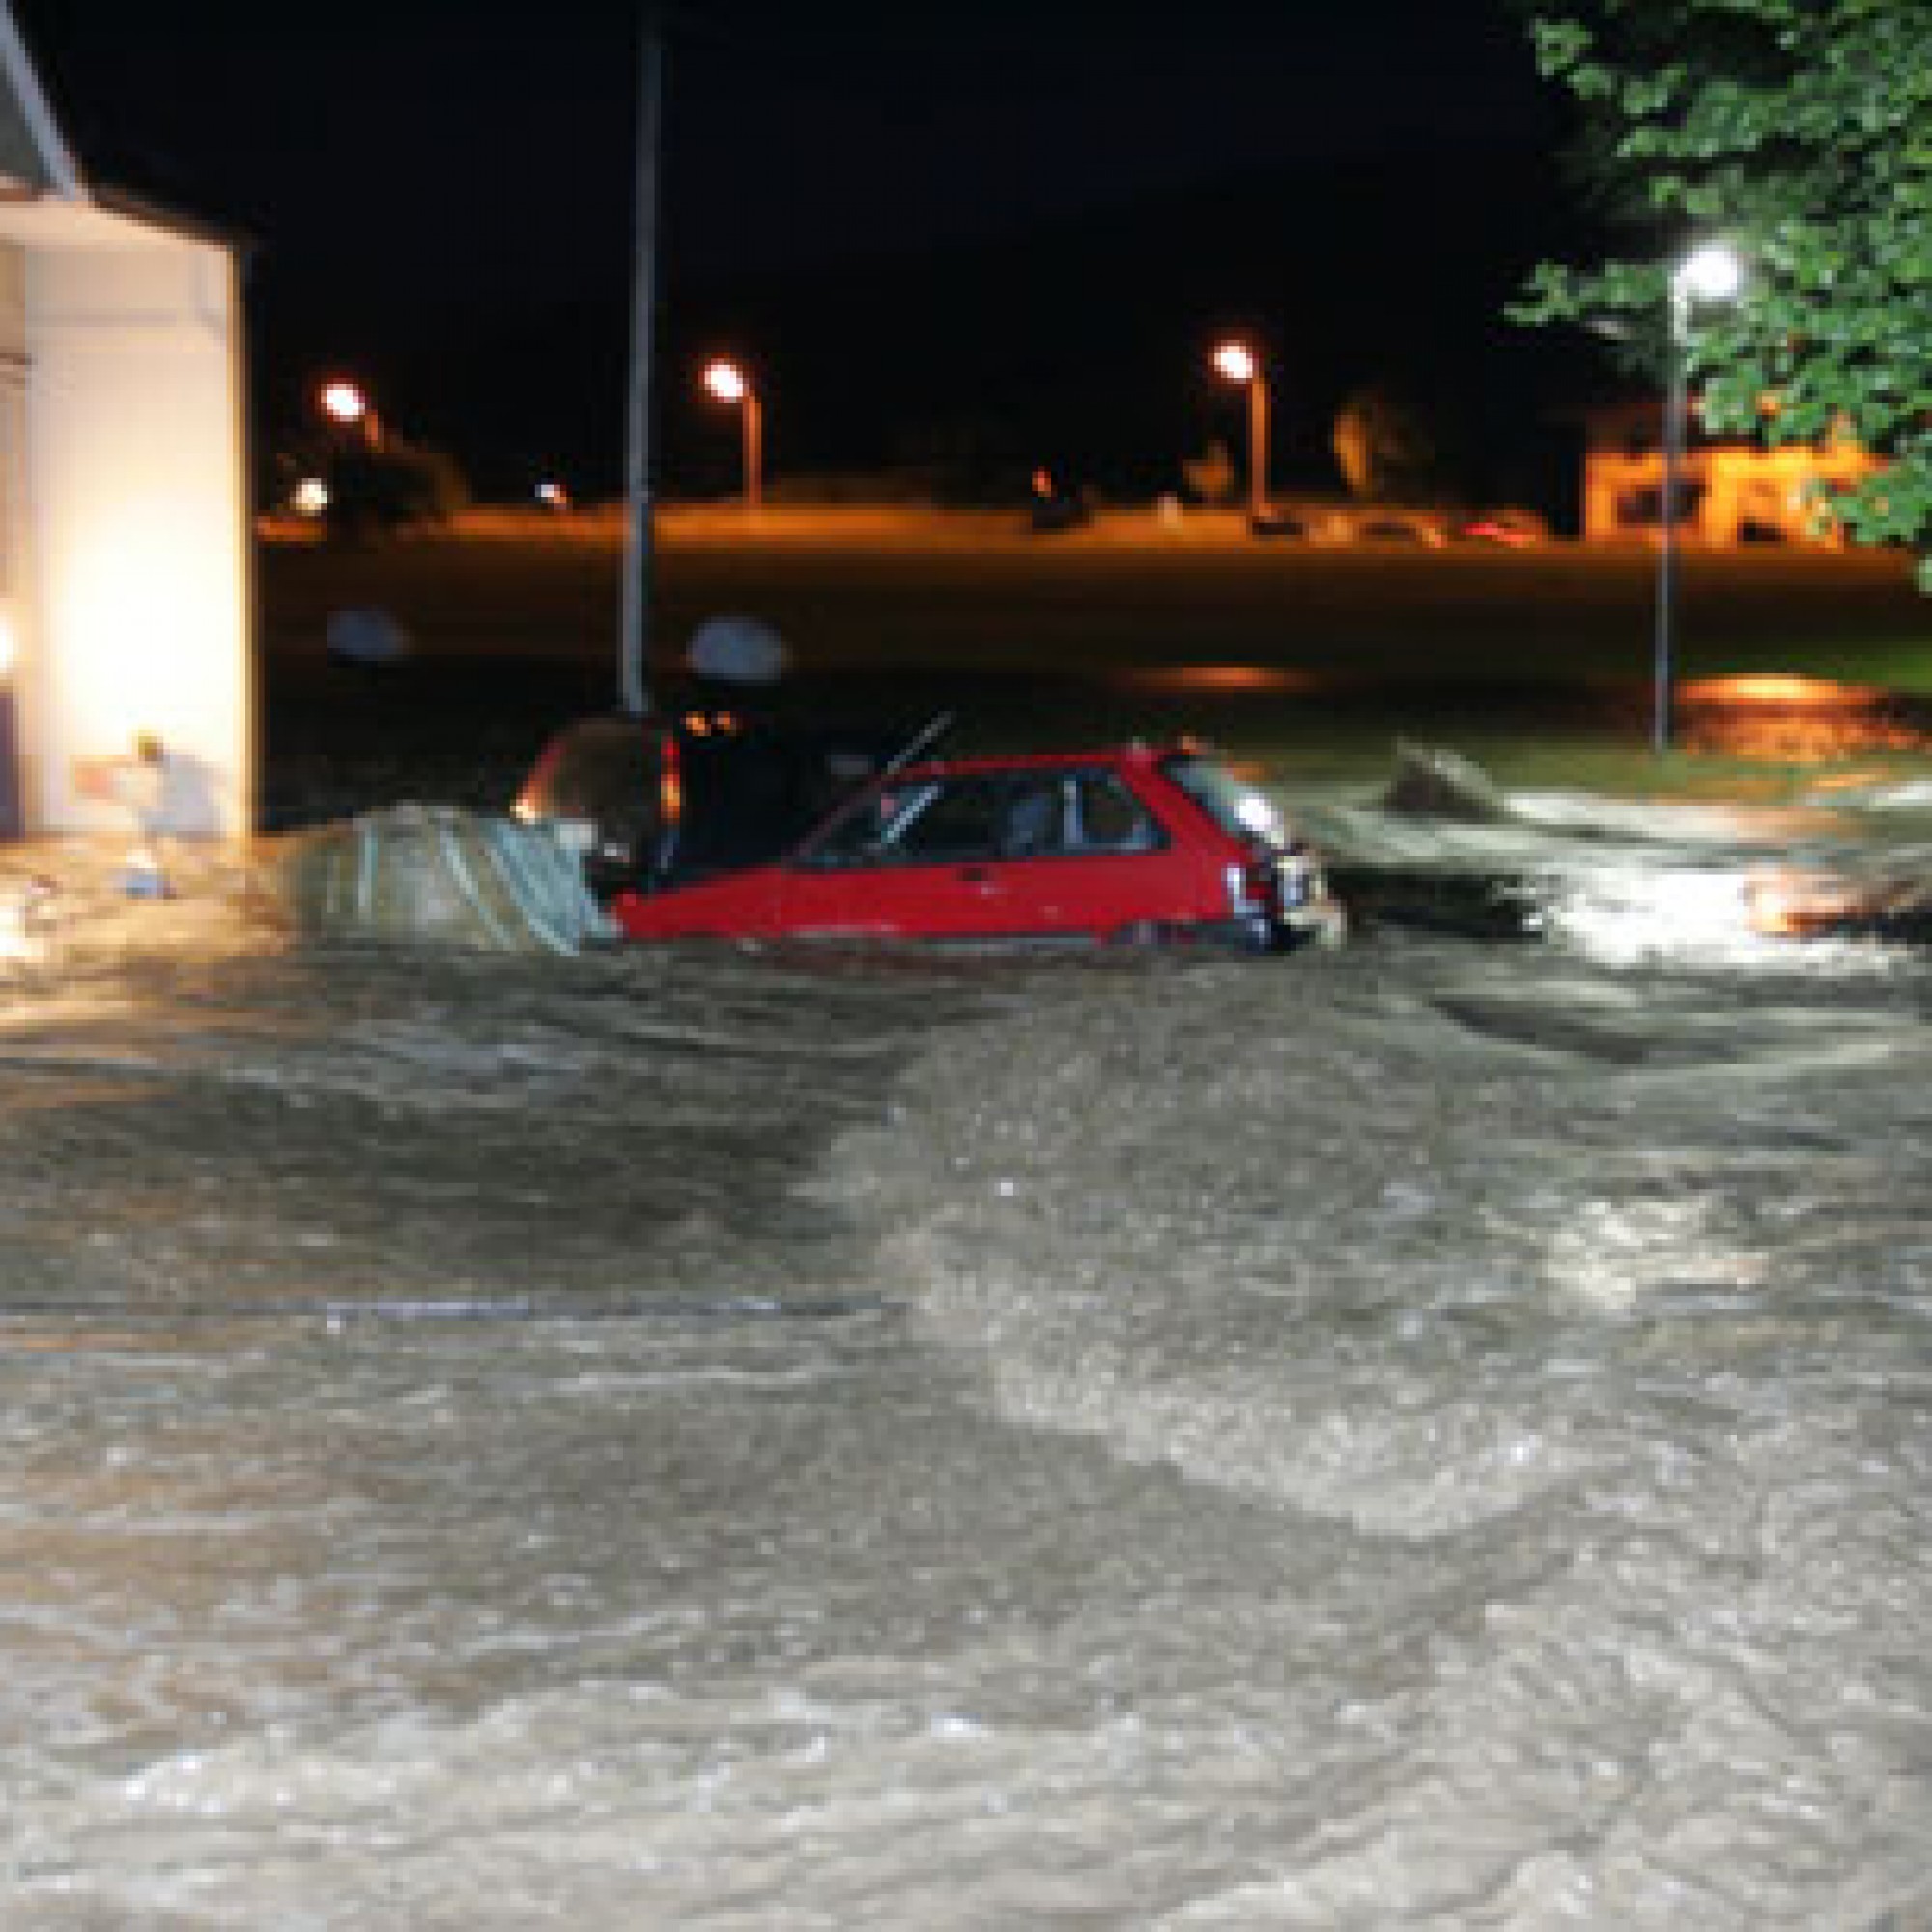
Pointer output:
x,y
1801,131
374,492
1382,446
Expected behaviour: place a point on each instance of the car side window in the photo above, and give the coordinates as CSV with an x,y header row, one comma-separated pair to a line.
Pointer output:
x,y
1032,827
861,835
1104,816
960,820
979,816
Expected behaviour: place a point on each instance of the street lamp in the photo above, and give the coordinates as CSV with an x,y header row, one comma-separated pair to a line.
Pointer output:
x,y
1238,363
728,382
347,405
1710,273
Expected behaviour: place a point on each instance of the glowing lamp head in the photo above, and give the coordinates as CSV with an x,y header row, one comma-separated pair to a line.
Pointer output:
x,y
1235,360
726,381
343,401
1711,273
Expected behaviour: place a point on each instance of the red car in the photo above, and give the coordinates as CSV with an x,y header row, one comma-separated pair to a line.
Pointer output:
x,y
1132,843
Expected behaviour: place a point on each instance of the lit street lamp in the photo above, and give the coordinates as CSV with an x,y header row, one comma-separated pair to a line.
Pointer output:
x,y
1711,273
1238,363
347,405
728,383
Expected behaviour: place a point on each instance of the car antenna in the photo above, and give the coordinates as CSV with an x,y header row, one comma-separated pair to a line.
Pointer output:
x,y
934,729
929,733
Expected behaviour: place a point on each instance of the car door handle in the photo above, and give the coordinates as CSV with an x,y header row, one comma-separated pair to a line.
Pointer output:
x,y
975,875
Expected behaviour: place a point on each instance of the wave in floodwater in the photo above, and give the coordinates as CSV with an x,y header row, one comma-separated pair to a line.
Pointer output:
x,y
1838,879
1425,1433
1567,1334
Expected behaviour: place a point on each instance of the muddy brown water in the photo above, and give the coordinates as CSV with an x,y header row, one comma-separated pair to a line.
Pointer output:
x,y
1430,1431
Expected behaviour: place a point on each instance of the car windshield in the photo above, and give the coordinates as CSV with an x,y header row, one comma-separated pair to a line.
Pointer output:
x,y
1238,808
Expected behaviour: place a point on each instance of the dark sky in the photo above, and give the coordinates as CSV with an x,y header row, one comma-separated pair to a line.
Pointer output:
x,y
441,195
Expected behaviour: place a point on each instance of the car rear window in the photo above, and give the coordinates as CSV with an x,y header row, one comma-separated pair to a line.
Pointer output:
x,y
1238,808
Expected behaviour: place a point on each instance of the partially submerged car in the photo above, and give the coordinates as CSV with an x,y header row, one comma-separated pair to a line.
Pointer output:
x,y
1132,843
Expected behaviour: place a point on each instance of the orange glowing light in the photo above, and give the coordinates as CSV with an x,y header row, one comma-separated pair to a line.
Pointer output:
x,y
1225,677
671,785
1784,904
1782,687
1794,719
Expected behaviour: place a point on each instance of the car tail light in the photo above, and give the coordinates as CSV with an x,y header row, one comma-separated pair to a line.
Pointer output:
x,y
670,783
1253,891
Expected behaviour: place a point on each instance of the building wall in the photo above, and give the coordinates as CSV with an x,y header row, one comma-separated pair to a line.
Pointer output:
x,y
12,301
140,564
1727,494
15,579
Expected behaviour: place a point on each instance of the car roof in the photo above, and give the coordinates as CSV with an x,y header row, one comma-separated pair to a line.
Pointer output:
x,y
993,764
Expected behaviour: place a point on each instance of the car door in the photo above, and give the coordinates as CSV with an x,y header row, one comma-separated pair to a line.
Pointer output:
x,y
917,859
1108,866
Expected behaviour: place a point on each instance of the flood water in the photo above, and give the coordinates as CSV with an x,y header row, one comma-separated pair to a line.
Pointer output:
x,y
1434,1433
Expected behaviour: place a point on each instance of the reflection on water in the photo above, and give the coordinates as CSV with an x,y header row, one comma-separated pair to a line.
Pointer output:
x,y
1218,679
1774,716
1789,719
1844,861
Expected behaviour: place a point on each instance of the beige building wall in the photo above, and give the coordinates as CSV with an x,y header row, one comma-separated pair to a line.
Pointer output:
x,y
16,556
141,623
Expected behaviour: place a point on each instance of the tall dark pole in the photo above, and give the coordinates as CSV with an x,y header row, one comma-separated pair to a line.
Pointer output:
x,y
1258,443
634,624
1710,273
1674,411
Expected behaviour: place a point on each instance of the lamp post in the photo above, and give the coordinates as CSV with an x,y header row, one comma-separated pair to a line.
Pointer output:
x,y
1238,363
728,383
1710,273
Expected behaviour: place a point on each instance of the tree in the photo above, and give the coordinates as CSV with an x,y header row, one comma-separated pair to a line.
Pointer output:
x,y
1211,477
376,492
1801,130
1382,444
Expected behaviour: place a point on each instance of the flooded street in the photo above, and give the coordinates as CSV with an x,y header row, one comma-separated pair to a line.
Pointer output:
x,y
1431,1433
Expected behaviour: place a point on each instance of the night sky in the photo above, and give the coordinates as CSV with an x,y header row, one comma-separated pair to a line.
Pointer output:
x,y
989,234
